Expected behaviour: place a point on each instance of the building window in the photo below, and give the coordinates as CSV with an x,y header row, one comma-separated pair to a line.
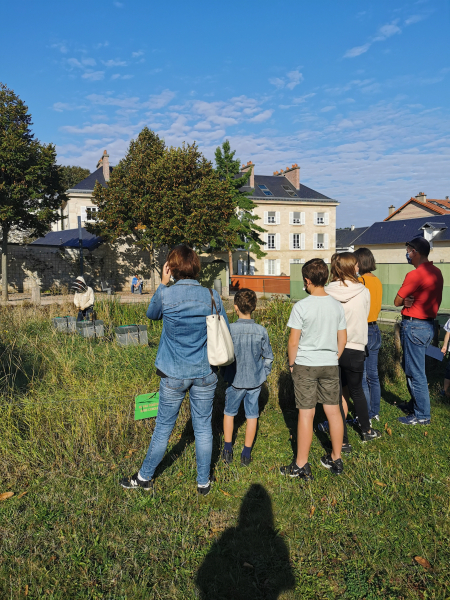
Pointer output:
x,y
296,241
271,242
290,191
320,241
265,190
297,218
271,217
271,267
320,219
296,261
91,213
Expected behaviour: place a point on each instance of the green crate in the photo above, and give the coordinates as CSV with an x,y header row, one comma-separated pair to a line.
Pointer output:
x,y
146,405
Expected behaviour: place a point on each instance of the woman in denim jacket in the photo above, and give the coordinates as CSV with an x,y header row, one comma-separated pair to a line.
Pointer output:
x,y
182,363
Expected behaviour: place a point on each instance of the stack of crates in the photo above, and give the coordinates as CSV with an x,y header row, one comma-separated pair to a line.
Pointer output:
x,y
64,324
89,329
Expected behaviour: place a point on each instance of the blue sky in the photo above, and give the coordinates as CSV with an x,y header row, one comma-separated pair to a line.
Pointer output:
x,y
356,93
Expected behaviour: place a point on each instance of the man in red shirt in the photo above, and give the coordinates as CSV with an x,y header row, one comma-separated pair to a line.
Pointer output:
x,y
420,295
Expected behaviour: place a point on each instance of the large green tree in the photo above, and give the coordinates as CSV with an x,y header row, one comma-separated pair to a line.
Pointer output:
x,y
242,230
31,189
161,196
71,175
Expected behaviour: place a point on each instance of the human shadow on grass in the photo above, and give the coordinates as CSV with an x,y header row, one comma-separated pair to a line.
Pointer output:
x,y
250,561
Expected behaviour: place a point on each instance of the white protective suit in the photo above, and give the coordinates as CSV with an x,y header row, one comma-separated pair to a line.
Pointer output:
x,y
83,300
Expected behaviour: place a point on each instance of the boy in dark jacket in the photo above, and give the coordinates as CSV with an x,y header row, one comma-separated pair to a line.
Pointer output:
x,y
246,375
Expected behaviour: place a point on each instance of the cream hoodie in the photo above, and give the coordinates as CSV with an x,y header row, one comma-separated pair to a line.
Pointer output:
x,y
355,299
85,299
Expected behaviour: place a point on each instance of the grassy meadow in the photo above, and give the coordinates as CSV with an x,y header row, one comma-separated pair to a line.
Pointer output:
x,y
67,435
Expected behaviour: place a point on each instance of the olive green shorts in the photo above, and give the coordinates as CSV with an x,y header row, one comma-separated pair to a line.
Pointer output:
x,y
315,384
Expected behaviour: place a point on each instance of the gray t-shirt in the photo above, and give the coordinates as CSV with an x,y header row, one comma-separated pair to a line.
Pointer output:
x,y
319,318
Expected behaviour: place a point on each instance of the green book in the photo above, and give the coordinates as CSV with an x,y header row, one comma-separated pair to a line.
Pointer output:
x,y
146,405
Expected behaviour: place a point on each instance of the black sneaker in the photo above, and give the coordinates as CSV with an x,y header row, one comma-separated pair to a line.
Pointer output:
x,y
346,448
245,460
227,456
406,407
133,483
335,466
293,470
372,434
204,491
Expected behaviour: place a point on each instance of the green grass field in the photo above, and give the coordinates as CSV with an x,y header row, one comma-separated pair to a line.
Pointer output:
x,y
67,435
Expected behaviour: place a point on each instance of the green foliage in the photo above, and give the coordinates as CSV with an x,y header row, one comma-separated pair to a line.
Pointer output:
x,y
31,186
163,196
70,176
242,230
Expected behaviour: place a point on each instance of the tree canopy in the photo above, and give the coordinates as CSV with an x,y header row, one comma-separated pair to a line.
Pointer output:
x,y
163,196
70,176
242,230
31,187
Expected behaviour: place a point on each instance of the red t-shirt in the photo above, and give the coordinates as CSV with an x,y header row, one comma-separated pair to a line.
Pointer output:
x,y
424,283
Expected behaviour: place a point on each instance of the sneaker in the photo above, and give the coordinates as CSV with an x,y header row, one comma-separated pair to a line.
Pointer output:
x,y
413,420
406,407
372,434
245,460
346,448
323,427
335,466
293,470
376,417
227,456
204,490
134,483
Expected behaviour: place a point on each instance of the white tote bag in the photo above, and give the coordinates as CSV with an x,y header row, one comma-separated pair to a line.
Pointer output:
x,y
219,342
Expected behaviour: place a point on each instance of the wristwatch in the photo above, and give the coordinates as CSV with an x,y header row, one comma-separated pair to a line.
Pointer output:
x,y
290,366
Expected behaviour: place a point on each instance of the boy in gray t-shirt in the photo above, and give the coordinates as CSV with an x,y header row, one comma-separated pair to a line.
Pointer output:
x,y
317,339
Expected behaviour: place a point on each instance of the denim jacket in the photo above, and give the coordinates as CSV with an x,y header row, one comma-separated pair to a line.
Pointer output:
x,y
253,354
183,307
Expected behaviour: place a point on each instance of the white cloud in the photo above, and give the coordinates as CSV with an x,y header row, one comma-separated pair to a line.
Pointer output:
x,y
160,100
383,33
64,106
327,108
302,99
292,80
102,100
414,19
61,47
114,63
137,54
261,117
94,75
90,62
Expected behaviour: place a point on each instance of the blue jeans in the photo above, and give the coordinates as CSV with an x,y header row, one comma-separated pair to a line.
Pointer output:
x,y
171,394
371,382
234,397
416,336
137,290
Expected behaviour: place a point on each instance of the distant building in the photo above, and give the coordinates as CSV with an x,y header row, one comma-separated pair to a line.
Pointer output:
x,y
300,223
346,238
419,206
387,239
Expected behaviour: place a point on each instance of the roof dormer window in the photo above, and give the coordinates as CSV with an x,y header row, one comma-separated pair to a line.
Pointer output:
x,y
265,190
291,192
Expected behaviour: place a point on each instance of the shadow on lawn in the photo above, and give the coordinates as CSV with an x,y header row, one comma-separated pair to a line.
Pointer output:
x,y
250,561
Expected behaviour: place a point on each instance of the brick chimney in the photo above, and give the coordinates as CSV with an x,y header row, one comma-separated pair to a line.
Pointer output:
x,y
292,174
246,168
104,162
391,209
421,197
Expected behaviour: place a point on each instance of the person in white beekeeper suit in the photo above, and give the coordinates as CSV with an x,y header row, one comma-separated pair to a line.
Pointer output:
x,y
84,299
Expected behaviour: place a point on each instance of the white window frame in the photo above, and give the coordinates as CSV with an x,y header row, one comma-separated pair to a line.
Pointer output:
x,y
299,221
295,241
271,241
275,265
323,245
325,220
84,213
276,217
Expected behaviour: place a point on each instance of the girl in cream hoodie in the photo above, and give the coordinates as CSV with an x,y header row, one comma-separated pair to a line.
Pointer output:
x,y
355,298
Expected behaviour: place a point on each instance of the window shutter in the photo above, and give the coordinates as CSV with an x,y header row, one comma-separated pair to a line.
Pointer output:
x,y
83,213
265,240
315,239
278,267
277,217
326,241
291,241
252,266
266,217
277,241
266,267
302,218
327,218
240,267
315,218
291,218
302,242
